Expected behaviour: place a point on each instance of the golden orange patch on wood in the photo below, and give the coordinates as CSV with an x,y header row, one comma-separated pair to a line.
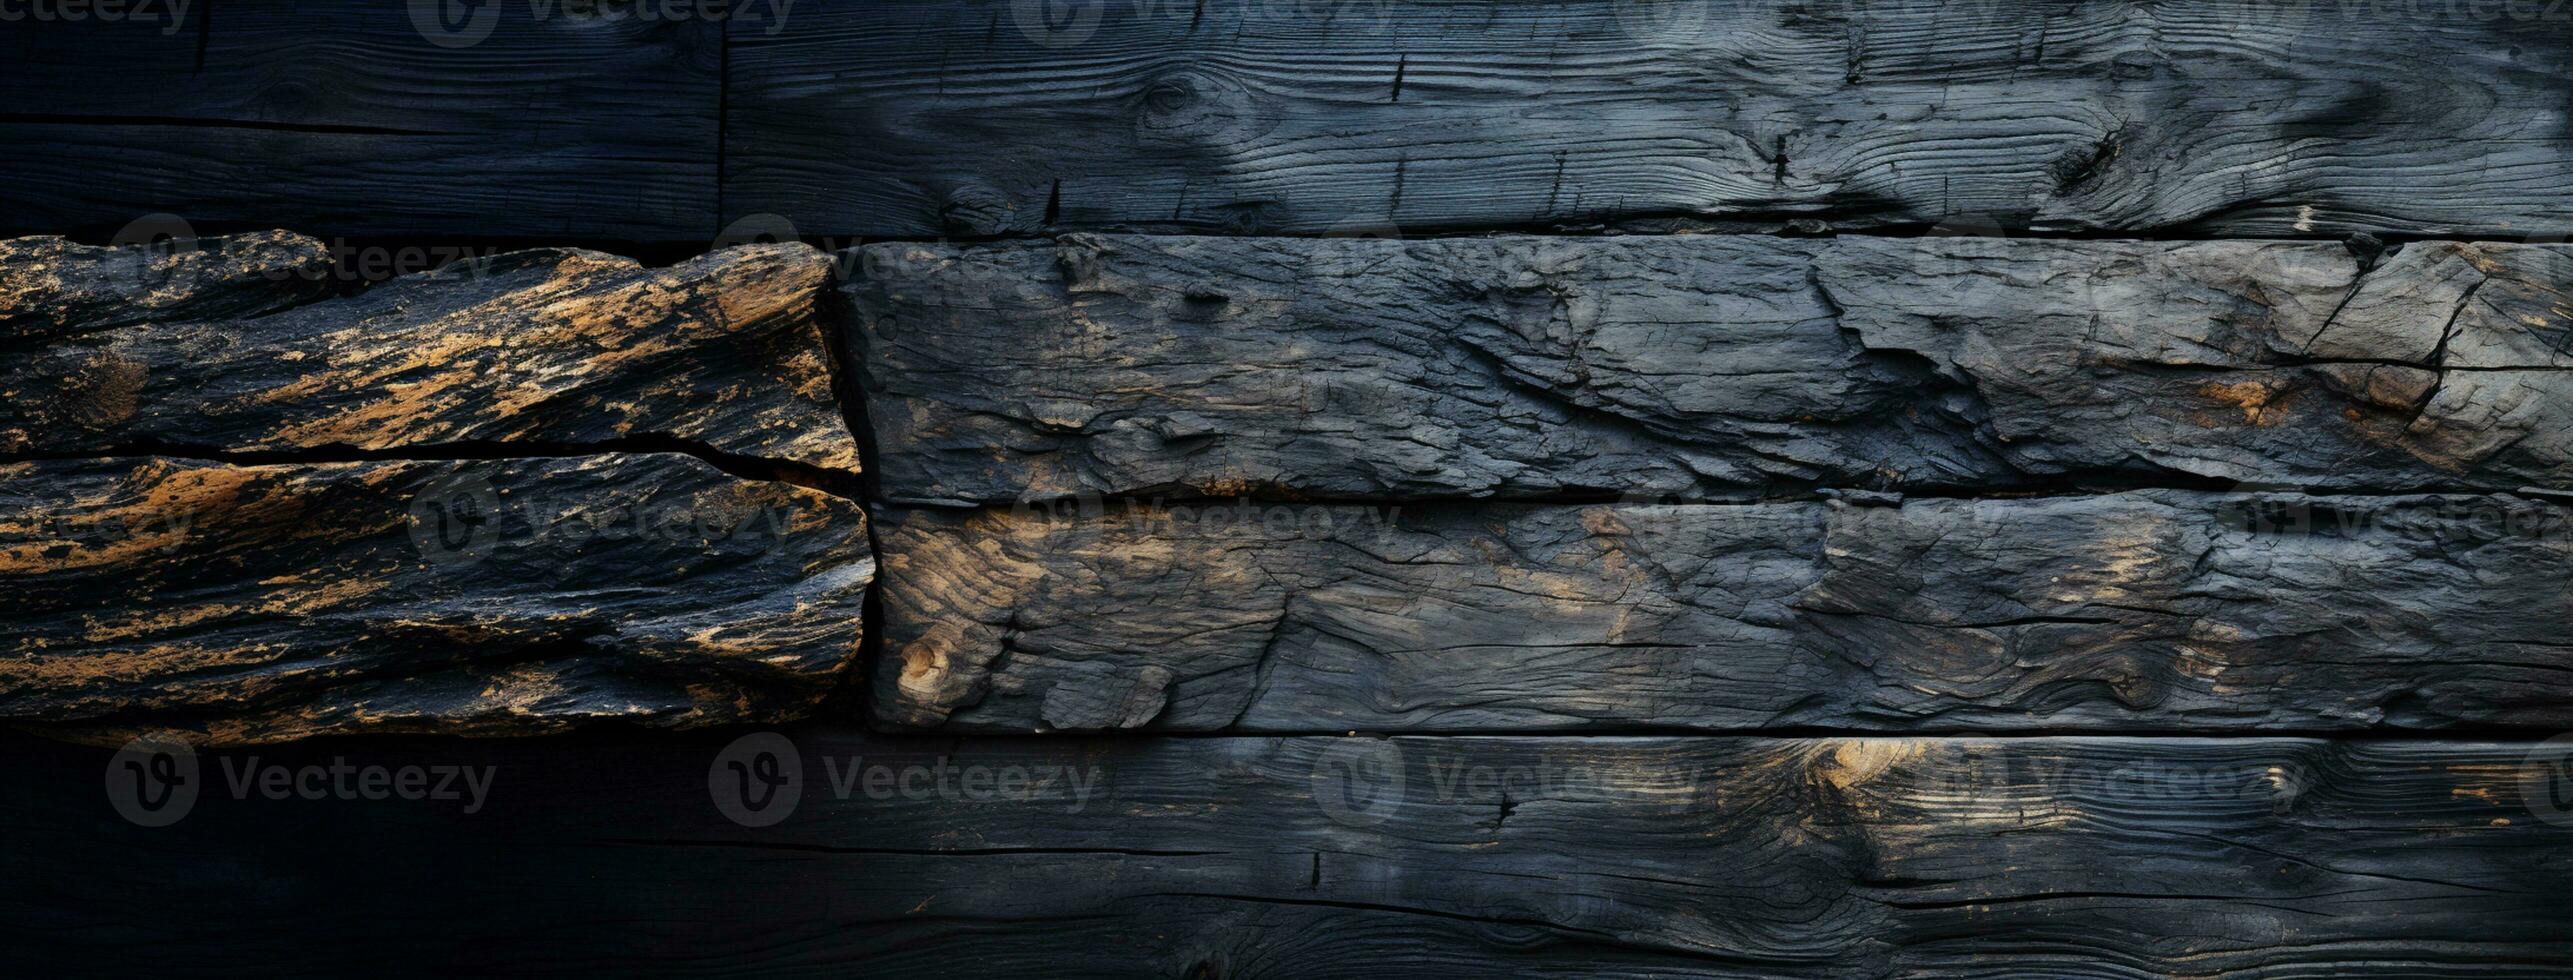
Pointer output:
x,y
2252,397
1855,762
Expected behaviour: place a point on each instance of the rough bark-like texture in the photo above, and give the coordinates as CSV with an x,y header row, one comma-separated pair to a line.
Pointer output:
x,y
1305,857
1706,367
51,288
258,603
564,121
249,603
2151,610
2226,117
557,347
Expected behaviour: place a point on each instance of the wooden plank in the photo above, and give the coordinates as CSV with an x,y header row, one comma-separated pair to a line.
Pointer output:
x,y
2260,119
1706,367
2143,611
371,118
1307,857
544,350
256,603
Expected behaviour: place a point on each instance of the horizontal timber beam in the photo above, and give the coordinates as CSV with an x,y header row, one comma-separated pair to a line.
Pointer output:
x,y
1302,857
1706,367
2148,610
2216,117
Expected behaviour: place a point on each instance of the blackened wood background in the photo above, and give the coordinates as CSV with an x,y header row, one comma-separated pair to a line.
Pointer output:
x,y
1324,856
2262,118
1321,433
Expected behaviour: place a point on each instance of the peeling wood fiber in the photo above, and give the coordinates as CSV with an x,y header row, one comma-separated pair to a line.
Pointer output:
x,y
551,346
243,604
517,494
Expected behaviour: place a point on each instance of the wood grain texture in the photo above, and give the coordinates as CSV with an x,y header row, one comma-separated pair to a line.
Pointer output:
x,y
553,347
975,117
2221,117
259,603
1307,857
2143,611
1706,367
349,119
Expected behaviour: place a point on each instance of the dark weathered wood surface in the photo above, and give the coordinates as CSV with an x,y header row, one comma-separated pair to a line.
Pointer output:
x,y
2224,117
259,603
2022,505
554,347
51,288
347,119
982,117
1305,857
2158,610
1706,366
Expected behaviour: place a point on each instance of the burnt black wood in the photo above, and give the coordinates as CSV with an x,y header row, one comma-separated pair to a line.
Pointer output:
x,y
256,603
2255,118
370,118
2141,611
724,354
1694,367
1985,492
983,117
235,504
1330,857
